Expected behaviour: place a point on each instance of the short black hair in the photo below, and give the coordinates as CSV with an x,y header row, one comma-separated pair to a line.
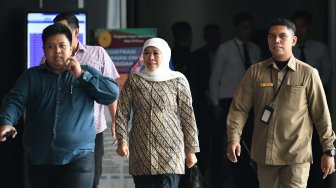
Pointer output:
x,y
302,14
241,17
283,22
55,29
209,27
69,17
181,30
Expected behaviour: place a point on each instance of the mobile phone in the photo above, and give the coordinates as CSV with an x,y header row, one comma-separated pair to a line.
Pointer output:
x,y
10,133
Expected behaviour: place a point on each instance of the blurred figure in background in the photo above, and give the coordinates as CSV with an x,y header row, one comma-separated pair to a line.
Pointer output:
x,y
316,54
182,34
200,69
232,59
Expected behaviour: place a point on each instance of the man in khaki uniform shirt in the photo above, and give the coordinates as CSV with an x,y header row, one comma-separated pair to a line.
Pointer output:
x,y
288,99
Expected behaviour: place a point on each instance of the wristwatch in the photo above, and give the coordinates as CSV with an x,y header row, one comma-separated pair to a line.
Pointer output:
x,y
330,153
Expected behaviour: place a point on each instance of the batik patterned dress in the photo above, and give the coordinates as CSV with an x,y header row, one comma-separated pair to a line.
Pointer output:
x,y
163,126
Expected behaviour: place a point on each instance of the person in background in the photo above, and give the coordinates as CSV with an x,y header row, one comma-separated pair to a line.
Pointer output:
x,y
57,98
316,54
313,52
163,138
232,59
96,57
288,99
201,61
181,53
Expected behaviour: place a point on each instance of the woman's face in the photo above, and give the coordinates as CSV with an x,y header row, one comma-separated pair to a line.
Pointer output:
x,y
152,57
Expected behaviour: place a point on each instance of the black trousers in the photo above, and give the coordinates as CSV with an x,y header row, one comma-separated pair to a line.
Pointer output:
x,y
221,167
157,181
243,174
77,174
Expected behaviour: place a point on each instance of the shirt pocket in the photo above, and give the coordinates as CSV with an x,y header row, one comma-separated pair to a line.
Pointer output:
x,y
295,97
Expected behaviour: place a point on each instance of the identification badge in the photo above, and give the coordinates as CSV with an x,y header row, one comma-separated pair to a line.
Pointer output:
x,y
267,114
266,84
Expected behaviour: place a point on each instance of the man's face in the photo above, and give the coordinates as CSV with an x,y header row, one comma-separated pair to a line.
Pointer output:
x,y
244,30
280,42
57,50
213,38
302,29
74,32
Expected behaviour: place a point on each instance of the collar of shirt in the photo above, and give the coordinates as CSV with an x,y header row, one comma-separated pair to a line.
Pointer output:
x,y
81,47
291,63
45,66
239,42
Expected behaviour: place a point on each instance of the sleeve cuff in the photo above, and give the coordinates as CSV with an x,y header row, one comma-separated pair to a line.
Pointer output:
x,y
86,76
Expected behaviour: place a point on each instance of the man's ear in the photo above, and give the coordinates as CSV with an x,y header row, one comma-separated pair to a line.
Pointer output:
x,y
76,31
294,40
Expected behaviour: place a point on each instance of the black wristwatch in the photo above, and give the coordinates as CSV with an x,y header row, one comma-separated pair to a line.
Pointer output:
x,y
330,153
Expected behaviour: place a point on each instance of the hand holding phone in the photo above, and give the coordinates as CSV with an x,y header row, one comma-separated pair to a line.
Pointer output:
x,y
9,133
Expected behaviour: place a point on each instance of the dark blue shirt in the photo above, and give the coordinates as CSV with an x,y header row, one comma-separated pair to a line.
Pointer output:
x,y
59,125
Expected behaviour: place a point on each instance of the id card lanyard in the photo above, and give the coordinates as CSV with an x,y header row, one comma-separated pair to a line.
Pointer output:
x,y
276,91
269,109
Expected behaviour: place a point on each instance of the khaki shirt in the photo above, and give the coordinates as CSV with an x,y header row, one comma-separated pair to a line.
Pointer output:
x,y
300,104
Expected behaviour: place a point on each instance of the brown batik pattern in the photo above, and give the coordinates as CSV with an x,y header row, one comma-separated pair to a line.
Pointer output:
x,y
163,125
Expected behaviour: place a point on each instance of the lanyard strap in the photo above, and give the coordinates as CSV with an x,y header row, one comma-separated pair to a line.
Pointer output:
x,y
276,92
